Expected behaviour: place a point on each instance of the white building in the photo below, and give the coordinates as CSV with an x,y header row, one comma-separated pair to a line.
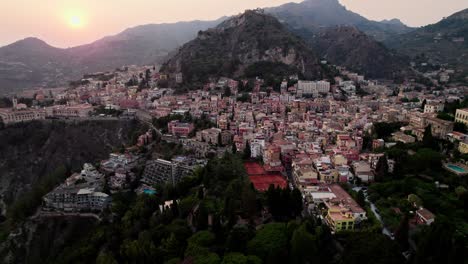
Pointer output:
x,y
307,88
256,148
323,87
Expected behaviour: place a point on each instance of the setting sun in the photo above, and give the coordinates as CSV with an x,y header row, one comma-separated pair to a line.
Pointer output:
x,y
75,21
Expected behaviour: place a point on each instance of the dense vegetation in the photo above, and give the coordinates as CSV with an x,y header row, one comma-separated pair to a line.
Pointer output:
x,y
216,216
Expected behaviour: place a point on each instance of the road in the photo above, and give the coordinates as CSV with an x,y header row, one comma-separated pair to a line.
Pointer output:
x,y
374,210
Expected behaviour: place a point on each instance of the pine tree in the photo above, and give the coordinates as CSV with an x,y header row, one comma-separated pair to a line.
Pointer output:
x,y
402,232
381,169
247,151
428,139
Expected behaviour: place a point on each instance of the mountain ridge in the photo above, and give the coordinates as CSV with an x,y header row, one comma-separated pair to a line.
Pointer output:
x,y
444,43
238,43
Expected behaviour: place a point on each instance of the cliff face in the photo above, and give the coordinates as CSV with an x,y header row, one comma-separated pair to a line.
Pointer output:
x,y
31,151
238,43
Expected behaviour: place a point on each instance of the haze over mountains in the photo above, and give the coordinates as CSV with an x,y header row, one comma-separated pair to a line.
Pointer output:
x,y
329,29
445,42
33,63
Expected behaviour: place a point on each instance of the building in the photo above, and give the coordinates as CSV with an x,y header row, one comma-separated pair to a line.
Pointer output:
x,y
179,129
402,137
163,171
433,107
463,147
461,116
424,217
363,171
308,88
210,136
179,78
323,87
343,212
11,116
80,193
378,143
69,111
440,128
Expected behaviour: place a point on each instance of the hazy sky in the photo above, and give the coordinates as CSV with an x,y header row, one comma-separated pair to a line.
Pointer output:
x,y
65,23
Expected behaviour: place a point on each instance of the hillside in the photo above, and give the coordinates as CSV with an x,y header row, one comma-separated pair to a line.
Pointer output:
x,y
239,43
33,63
349,47
445,42
31,151
315,14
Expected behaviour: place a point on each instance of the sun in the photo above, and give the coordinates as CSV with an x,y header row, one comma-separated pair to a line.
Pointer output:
x,y
75,21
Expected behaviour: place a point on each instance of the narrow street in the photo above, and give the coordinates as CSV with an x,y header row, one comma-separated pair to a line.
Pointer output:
x,y
374,210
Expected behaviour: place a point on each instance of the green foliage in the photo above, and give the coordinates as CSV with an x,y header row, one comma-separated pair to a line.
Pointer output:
x,y
304,246
272,72
362,248
270,243
385,130
28,203
283,203
238,238
440,244
445,116
460,127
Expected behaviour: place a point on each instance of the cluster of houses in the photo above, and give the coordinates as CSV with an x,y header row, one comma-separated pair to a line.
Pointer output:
x,y
308,133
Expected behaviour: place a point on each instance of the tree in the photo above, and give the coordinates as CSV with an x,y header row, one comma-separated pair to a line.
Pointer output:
x,y
428,139
423,105
234,148
106,258
227,92
270,243
381,169
247,151
460,127
369,248
304,248
361,199
402,232
238,238
297,202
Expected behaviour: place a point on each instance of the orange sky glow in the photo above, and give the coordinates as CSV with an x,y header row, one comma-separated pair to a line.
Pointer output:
x,y
66,23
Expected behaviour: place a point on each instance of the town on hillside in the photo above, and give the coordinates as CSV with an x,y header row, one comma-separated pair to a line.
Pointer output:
x,y
340,143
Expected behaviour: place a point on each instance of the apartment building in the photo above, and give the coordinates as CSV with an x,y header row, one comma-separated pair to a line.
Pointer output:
x,y
461,116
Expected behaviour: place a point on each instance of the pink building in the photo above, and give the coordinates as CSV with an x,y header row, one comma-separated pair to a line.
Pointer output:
x,y
180,129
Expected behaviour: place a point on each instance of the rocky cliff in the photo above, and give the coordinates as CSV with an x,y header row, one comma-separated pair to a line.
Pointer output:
x,y
238,43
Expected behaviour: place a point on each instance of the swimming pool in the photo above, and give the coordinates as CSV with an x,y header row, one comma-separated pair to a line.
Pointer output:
x,y
456,169
149,191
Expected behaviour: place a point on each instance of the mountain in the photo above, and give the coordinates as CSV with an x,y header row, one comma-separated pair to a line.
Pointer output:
x,y
445,42
240,44
316,14
349,47
32,62
147,44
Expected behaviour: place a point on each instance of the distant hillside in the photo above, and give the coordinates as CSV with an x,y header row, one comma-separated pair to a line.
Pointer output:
x,y
349,47
33,63
445,42
239,43
315,14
